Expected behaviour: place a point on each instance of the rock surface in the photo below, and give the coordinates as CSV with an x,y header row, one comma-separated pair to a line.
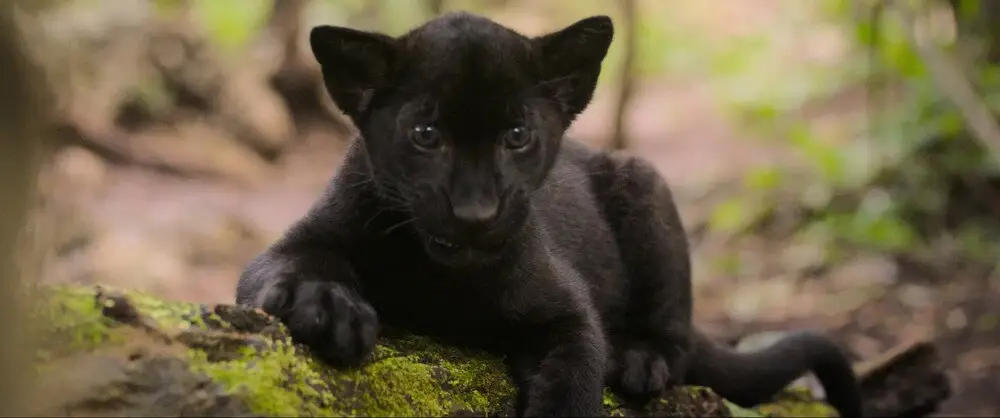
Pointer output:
x,y
115,353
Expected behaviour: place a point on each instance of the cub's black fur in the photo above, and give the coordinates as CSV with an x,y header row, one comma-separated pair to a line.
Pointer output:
x,y
462,213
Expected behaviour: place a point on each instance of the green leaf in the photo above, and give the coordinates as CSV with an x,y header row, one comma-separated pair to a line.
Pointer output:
x,y
232,23
764,179
729,215
827,159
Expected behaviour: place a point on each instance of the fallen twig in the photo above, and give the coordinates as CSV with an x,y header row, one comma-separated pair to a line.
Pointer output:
x,y
907,381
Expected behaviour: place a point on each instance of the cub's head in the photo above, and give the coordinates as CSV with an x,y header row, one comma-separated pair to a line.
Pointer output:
x,y
462,118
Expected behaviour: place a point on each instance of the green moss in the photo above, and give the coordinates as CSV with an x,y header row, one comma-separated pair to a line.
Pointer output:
x,y
167,314
437,380
741,412
273,382
610,401
73,308
798,409
612,404
73,322
407,376
797,402
399,387
278,380
433,383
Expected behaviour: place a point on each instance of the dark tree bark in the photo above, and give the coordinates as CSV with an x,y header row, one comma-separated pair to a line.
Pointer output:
x,y
21,121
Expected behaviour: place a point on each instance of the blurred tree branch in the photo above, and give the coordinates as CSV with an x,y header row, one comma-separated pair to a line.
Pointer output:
x,y
953,84
618,139
21,124
285,21
370,16
976,22
435,7
298,78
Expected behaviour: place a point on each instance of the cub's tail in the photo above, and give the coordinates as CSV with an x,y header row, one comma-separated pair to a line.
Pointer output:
x,y
752,378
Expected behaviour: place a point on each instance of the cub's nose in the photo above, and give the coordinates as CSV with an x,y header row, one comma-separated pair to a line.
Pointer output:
x,y
476,211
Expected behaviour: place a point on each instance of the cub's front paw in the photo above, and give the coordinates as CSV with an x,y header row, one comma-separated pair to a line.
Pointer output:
x,y
640,372
338,325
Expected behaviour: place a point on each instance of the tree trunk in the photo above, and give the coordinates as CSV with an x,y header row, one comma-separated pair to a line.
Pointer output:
x,y
21,121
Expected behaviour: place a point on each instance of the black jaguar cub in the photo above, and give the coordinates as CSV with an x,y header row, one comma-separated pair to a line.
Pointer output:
x,y
463,213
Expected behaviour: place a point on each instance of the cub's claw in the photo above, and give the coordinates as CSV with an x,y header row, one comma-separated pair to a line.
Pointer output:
x,y
335,323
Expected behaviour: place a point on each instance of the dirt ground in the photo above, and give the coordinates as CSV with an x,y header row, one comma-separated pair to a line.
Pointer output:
x,y
156,231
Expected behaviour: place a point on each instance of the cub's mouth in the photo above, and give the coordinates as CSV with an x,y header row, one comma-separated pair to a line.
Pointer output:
x,y
443,243
440,242
450,252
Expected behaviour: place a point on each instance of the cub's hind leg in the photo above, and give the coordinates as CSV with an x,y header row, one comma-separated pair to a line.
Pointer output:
x,y
654,343
652,339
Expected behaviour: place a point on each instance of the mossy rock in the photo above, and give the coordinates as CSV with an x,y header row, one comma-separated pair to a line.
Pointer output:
x,y
130,354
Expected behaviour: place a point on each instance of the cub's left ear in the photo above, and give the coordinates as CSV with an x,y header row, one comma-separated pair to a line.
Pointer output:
x,y
571,60
354,63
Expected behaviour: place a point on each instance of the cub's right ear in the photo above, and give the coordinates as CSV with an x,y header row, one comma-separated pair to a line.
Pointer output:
x,y
571,59
354,63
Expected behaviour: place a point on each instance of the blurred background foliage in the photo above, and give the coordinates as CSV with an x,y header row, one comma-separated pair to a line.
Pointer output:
x,y
839,156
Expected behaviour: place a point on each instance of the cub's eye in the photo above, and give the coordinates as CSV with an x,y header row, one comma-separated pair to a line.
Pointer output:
x,y
517,138
426,137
